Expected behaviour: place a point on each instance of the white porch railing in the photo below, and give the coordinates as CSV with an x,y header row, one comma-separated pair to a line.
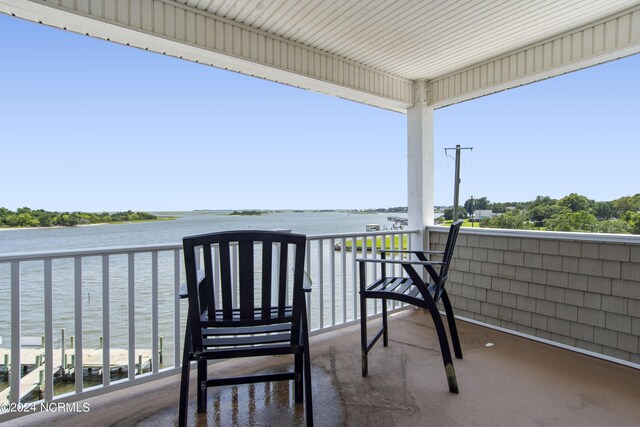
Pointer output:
x,y
127,322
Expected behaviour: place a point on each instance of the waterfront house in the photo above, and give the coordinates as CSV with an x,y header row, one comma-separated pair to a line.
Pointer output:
x,y
481,214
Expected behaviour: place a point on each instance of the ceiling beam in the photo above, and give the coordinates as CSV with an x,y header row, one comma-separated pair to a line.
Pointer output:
x,y
170,28
612,38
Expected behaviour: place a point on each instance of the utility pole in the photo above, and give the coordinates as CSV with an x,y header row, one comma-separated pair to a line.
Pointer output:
x,y
456,183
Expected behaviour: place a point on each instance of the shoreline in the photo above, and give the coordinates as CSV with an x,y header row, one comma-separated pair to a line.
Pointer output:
x,y
167,218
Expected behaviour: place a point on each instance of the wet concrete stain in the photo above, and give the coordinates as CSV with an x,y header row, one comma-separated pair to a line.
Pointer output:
x,y
261,404
513,382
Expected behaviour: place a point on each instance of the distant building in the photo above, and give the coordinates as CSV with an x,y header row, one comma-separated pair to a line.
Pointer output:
x,y
481,214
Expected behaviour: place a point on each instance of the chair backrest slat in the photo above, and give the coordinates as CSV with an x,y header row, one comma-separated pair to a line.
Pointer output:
x,y
246,280
450,246
448,255
207,284
225,280
267,263
298,293
282,278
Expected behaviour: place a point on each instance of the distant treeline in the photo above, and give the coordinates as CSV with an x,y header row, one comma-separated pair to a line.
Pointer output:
x,y
248,212
397,209
26,217
574,212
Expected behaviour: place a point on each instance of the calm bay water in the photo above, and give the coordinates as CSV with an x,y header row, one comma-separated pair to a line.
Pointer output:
x,y
158,232
134,234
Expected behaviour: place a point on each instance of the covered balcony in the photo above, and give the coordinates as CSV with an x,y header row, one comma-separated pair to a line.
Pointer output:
x,y
504,380
550,322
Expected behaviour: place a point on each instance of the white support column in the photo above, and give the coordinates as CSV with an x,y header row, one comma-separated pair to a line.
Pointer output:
x,y
420,163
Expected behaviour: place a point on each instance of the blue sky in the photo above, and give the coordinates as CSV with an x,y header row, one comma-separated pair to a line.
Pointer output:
x,y
91,125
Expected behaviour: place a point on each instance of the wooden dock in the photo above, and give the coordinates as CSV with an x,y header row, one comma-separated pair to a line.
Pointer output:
x,y
91,359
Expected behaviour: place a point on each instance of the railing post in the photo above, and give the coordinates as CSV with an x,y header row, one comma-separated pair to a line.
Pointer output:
x,y
105,339
308,270
154,312
131,293
62,350
343,259
332,271
77,364
48,330
321,282
14,378
176,308
354,274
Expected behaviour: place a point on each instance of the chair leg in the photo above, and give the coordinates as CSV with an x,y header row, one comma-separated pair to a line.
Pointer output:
x,y
453,330
308,399
184,393
385,327
444,349
363,335
202,386
184,379
298,383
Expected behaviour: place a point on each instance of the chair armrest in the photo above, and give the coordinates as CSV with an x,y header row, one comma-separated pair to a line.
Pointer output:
x,y
184,292
412,252
398,261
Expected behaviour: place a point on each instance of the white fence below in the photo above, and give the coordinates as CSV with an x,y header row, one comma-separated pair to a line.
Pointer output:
x,y
113,315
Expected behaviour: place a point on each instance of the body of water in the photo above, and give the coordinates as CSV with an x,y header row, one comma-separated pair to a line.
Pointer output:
x,y
150,233
189,223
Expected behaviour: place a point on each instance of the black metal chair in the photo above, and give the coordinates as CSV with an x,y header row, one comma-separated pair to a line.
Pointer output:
x,y
257,315
415,291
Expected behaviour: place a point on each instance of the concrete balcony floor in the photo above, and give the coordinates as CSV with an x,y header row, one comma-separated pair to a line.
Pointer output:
x,y
515,381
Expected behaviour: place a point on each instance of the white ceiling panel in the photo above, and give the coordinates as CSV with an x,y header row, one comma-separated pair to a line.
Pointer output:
x,y
414,39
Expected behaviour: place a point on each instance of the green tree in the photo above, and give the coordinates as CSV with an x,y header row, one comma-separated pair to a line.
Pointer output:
x,y
605,210
627,203
515,220
572,221
498,207
577,202
540,201
539,213
481,203
633,220
26,220
11,220
613,226
45,221
448,213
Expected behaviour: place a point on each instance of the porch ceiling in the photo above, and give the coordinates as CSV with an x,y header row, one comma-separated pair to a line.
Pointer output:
x,y
370,51
414,39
